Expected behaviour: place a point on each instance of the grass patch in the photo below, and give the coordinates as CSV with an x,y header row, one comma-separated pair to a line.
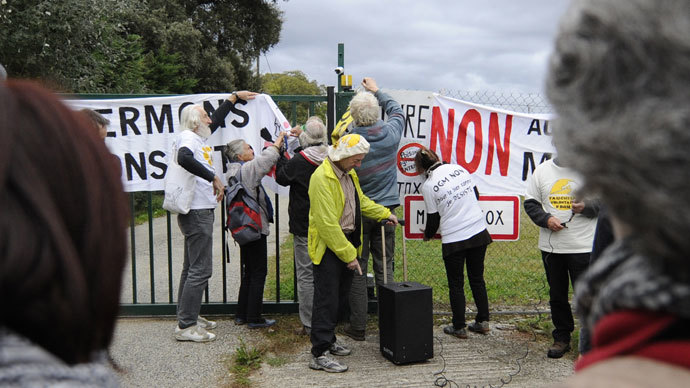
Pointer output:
x,y
141,202
273,347
245,360
513,270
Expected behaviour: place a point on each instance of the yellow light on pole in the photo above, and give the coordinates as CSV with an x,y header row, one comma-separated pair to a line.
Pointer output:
x,y
346,81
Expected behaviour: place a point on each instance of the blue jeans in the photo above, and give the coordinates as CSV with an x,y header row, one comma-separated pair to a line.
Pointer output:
x,y
197,228
455,263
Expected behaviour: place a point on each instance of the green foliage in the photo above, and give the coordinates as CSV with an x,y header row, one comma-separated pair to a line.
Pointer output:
x,y
248,357
76,45
244,362
133,46
164,73
294,83
141,205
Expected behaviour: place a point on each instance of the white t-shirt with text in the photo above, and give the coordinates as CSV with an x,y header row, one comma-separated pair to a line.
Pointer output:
x,y
449,191
203,153
555,188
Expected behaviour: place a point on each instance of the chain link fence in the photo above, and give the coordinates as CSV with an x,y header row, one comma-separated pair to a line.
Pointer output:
x,y
515,101
513,271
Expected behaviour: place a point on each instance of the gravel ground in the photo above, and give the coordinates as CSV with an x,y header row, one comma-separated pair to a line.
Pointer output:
x,y
149,356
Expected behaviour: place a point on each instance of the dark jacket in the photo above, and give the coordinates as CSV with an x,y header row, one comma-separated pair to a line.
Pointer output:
x,y
296,173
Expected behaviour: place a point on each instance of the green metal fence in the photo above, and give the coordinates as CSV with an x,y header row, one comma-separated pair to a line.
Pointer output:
x,y
150,284
154,267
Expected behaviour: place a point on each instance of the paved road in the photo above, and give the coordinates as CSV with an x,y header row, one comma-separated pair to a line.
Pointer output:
x,y
150,357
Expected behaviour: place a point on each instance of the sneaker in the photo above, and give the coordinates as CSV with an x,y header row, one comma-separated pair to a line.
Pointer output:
x,y
205,323
558,349
326,363
460,333
194,333
479,327
261,324
240,321
339,349
357,335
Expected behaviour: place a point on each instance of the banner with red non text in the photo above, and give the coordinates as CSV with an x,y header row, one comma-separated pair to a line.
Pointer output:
x,y
142,130
499,148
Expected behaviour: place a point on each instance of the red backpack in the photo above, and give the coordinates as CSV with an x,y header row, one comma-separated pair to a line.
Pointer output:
x,y
243,212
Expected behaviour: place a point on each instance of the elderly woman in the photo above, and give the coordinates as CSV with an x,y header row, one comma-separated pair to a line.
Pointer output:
x,y
619,80
253,255
455,210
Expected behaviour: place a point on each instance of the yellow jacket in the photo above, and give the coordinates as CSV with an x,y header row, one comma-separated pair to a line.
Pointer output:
x,y
327,201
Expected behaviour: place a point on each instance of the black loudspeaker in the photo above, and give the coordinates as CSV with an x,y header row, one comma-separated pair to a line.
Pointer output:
x,y
406,322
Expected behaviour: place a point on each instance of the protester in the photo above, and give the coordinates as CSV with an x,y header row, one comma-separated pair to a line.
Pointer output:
x,y
618,80
379,179
455,210
63,222
335,232
296,173
566,230
253,255
99,122
197,226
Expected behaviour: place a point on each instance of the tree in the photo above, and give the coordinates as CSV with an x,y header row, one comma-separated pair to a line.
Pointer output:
x,y
138,46
217,40
76,45
294,82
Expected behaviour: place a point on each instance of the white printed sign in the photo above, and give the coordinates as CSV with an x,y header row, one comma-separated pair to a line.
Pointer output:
x,y
501,213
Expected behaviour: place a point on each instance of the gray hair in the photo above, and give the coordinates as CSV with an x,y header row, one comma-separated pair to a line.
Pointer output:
x,y
3,73
618,79
314,133
96,118
233,149
364,108
190,117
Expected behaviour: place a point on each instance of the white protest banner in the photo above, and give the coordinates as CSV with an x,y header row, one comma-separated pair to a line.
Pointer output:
x,y
142,130
499,148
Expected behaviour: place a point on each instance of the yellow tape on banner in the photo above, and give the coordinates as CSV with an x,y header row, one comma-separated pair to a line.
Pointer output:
x,y
342,126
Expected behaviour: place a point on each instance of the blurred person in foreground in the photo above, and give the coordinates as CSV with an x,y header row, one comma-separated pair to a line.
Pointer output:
x,y
451,201
63,221
296,173
195,155
253,255
618,79
337,205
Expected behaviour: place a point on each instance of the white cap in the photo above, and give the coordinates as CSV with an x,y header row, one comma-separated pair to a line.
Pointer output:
x,y
347,146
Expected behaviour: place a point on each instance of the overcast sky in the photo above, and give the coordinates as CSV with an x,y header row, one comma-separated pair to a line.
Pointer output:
x,y
420,45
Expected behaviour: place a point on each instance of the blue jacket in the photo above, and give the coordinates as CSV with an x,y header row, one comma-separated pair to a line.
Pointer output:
x,y
378,174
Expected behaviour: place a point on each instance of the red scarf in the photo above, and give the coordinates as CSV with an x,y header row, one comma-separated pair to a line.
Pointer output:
x,y
631,333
